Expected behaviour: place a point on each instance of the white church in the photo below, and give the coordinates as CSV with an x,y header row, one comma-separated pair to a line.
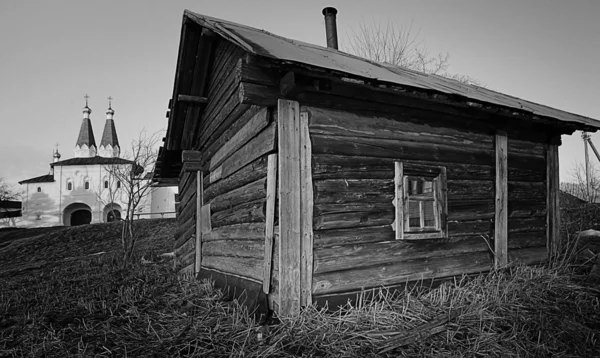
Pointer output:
x,y
81,190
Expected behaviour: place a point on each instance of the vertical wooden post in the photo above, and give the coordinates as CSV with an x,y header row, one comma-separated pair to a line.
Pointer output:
x,y
270,220
501,218
552,195
399,200
306,218
199,203
289,207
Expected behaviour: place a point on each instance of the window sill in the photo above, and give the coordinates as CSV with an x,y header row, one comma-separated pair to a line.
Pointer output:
x,y
423,235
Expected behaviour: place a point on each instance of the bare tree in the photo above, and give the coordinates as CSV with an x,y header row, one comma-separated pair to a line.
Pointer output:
x,y
8,192
578,186
131,183
399,46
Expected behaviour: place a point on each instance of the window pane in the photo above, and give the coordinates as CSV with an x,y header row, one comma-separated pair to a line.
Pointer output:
x,y
420,186
414,214
428,213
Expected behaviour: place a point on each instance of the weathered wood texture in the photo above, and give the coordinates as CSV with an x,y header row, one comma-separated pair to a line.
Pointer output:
x,y
353,179
290,207
552,200
501,205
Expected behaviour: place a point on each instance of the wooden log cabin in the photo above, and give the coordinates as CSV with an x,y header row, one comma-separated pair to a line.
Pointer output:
x,y
308,175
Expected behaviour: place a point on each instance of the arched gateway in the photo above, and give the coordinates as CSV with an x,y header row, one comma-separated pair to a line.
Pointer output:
x,y
77,214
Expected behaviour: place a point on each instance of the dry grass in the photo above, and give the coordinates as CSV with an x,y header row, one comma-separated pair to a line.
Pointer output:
x,y
90,306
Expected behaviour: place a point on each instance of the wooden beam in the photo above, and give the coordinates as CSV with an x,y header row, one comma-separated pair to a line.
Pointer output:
x,y
552,201
191,156
306,213
199,218
270,220
289,207
399,200
191,99
501,216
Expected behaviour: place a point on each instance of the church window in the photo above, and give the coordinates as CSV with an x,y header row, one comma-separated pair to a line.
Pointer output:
x,y
106,184
87,185
118,184
69,186
39,189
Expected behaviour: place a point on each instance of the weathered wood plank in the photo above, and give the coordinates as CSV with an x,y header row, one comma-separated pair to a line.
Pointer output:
x,y
528,256
206,226
353,219
249,192
252,93
401,272
187,271
244,213
241,266
186,247
306,216
552,201
191,156
271,196
399,200
185,231
247,132
234,248
289,207
245,231
251,172
501,206
232,126
199,218
367,234
389,148
262,144
348,124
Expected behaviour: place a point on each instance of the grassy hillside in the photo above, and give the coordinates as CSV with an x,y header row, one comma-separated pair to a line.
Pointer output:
x,y
57,299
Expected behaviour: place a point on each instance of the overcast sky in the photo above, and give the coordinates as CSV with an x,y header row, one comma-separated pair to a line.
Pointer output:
x,y
54,52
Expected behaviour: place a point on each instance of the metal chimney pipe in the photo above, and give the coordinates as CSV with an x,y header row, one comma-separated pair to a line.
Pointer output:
x,y
330,27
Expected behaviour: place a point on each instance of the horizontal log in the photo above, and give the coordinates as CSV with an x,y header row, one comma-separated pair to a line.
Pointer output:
x,y
251,71
191,156
186,192
327,166
193,167
248,174
261,95
235,248
353,190
470,189
241,266
474,227
247,193
188,259
526,239
247,132
244,213
525,146
353,219
527,256
350,257
401,272
191,99
349,124
224,136
389,148
187,212
347,207
184,232
367,234
260,145
186,247
246,231
526,224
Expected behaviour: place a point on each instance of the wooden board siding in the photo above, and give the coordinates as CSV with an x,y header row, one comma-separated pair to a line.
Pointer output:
x,y
185,239
353,179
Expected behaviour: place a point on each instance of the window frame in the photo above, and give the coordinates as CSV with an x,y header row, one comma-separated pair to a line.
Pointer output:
x,y
401,225
69,185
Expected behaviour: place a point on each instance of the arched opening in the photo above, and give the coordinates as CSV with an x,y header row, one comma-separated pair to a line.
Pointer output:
x,y
112,212
77,214
81,217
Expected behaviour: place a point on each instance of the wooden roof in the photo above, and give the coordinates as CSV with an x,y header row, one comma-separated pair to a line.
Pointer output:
x,y
266,44
48,178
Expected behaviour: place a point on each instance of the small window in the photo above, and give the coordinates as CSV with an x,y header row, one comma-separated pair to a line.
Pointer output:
x,y
421,205
87,185
118,184
39,189
106,184
69,186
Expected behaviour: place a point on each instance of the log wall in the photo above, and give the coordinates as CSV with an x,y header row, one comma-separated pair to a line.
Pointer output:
x,y
234,140
353,175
